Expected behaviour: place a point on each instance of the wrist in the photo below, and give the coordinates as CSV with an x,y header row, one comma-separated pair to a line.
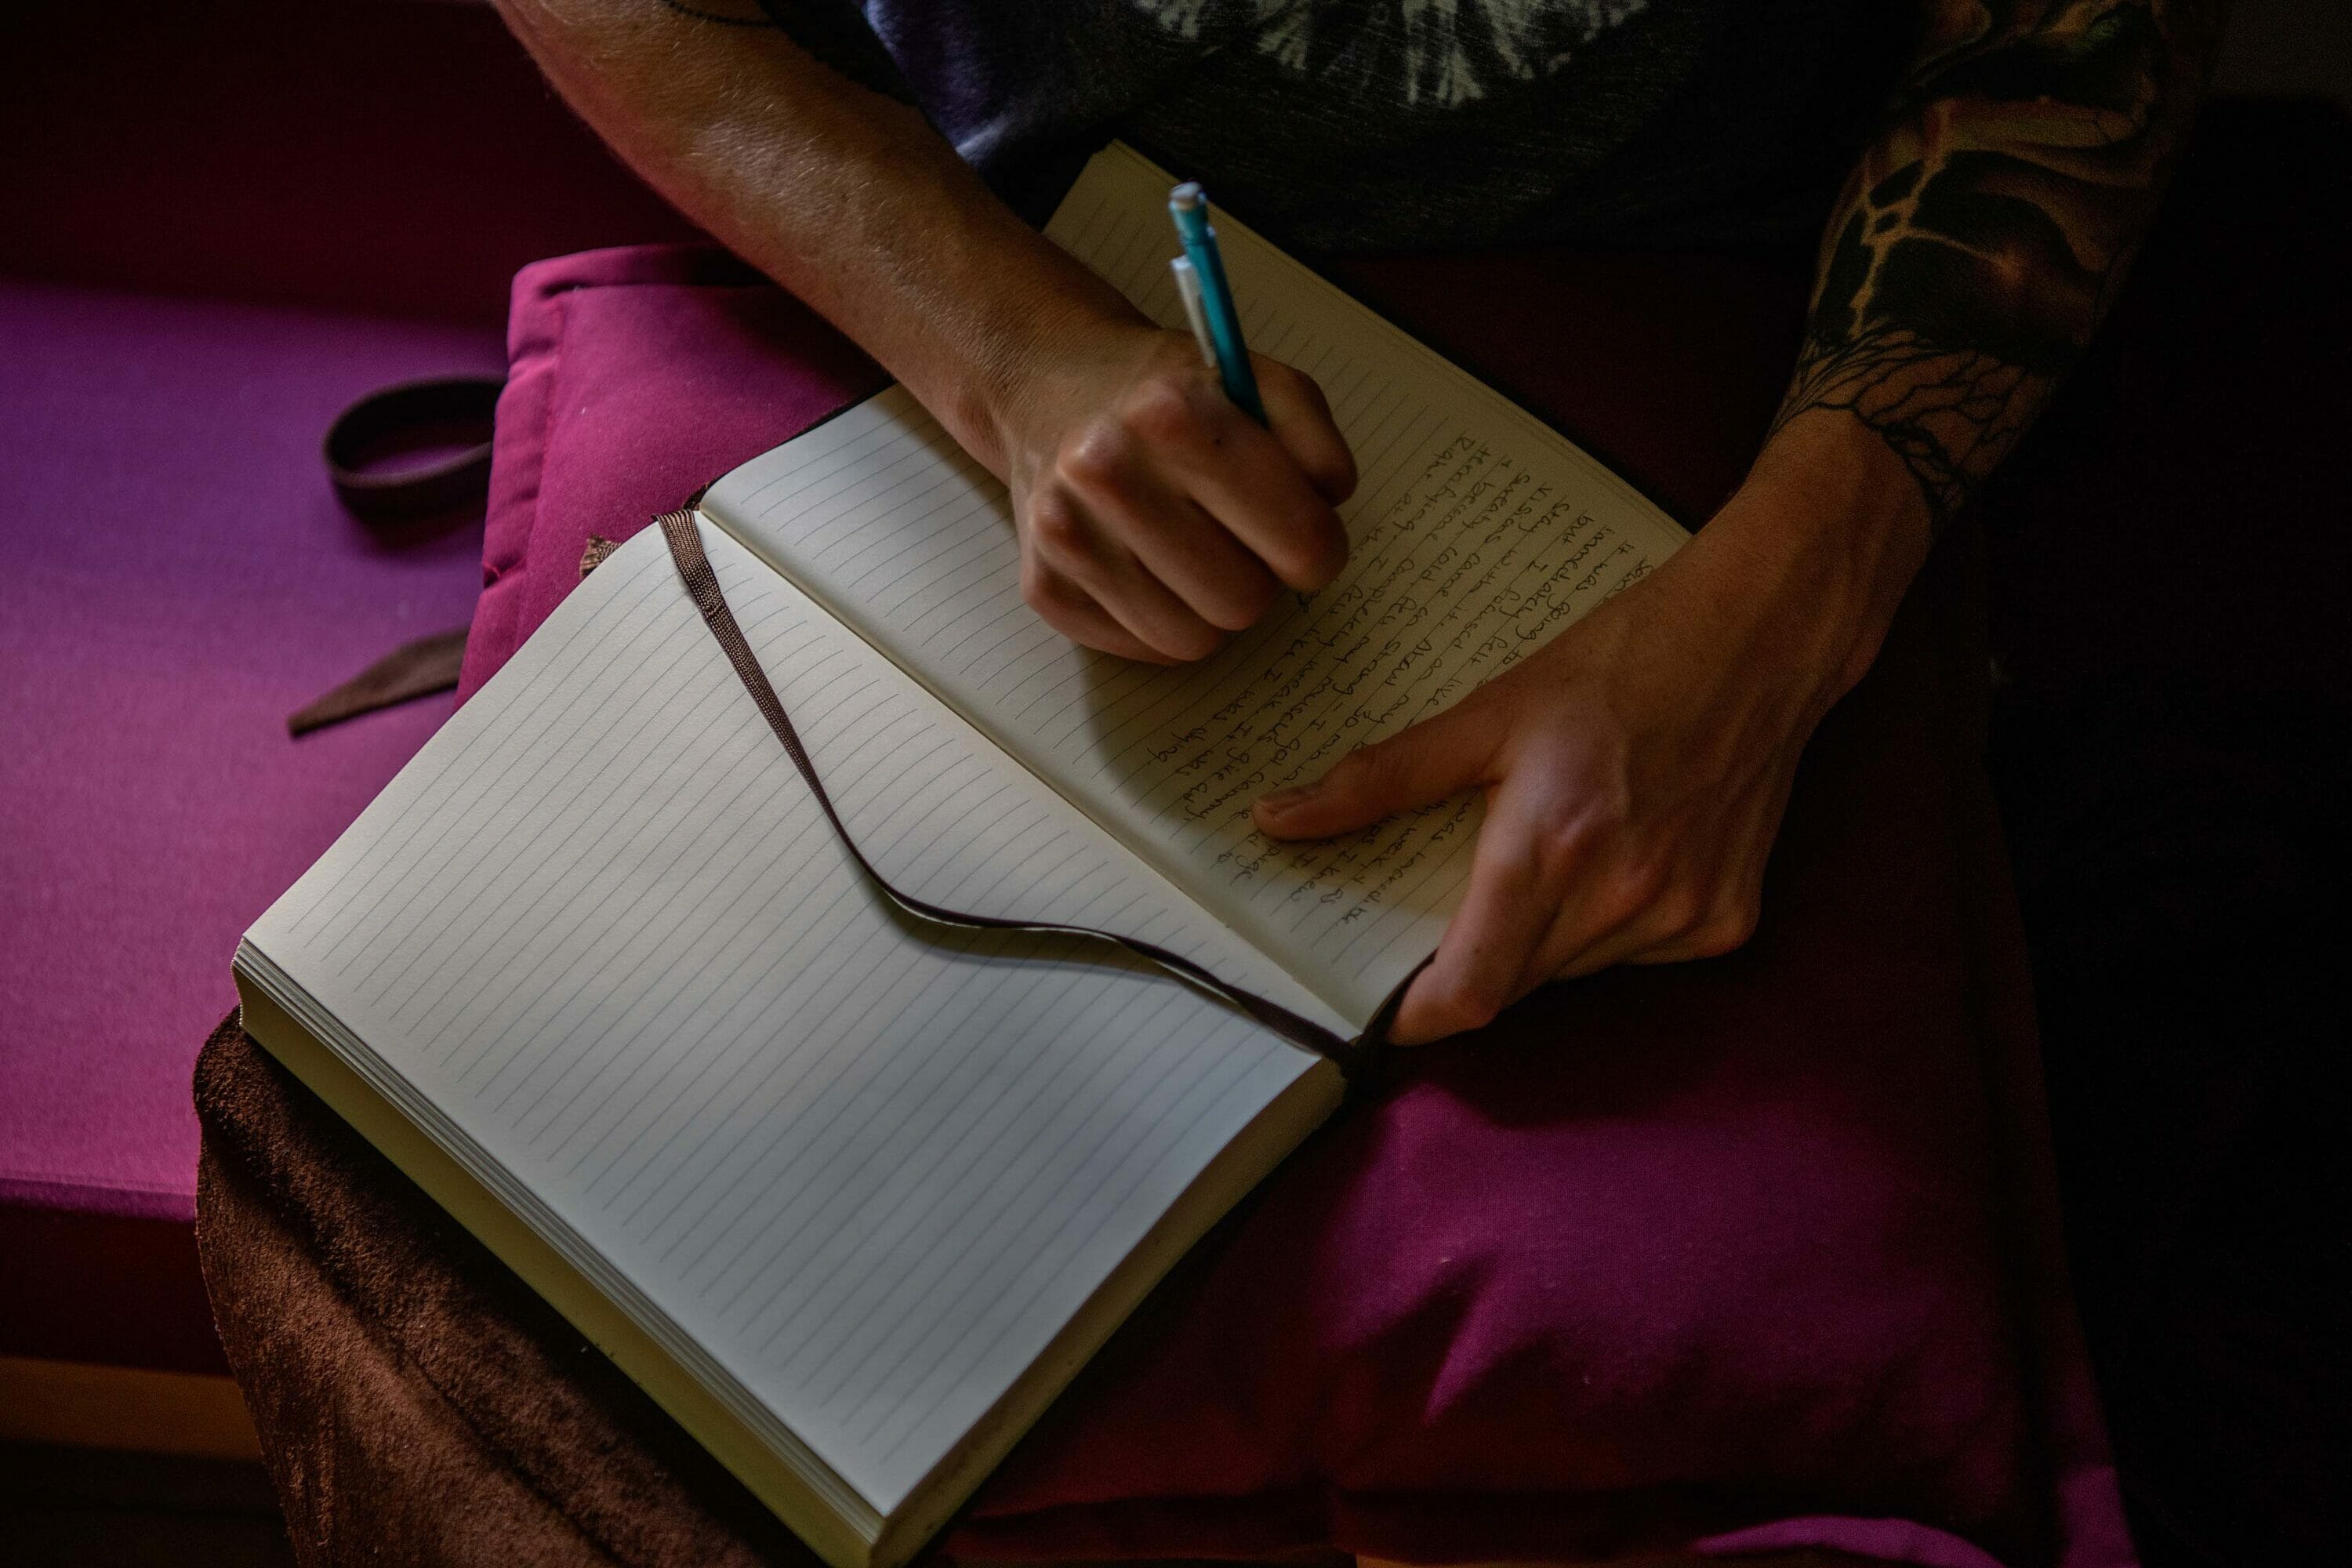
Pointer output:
x,y
1820,543
927,270
1021,359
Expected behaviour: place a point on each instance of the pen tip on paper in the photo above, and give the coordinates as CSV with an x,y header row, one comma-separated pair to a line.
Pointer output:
x,y
1186,198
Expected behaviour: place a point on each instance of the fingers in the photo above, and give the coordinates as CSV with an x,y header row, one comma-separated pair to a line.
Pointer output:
x,y
1542,907
1729,902
1072,611
1069,547
1416,767
1179,516
1506,938
1725,923
1238,472
1625,916
1177,543
1724,930
1491,941
1301,420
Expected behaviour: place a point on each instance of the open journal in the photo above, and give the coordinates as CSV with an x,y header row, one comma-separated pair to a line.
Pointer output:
x,y
851,1193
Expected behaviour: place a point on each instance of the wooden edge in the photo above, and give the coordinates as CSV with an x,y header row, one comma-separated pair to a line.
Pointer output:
x,y
83,1406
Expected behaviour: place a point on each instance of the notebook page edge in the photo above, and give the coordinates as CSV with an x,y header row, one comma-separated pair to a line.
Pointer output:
x,y
1246,1161
520,675
363,1087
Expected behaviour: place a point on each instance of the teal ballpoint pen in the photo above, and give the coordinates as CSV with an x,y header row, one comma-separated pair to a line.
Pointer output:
x,y
1190,208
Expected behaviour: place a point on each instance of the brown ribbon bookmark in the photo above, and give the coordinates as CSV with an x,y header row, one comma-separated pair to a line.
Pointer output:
x,y
694,568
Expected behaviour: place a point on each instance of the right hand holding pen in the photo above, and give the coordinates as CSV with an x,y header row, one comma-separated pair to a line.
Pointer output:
x,y
1155,517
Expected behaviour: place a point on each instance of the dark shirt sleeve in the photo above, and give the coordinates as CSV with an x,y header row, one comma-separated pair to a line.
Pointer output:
x,y
836,32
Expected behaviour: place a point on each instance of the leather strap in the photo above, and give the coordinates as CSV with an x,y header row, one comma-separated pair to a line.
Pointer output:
x,y
460,406
457,403
454,404
413,669
694,569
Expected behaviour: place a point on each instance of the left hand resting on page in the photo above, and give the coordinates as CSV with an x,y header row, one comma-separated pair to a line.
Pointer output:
x,y
1636,767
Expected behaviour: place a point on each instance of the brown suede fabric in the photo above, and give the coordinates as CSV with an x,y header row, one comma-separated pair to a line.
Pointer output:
x,y
418,1404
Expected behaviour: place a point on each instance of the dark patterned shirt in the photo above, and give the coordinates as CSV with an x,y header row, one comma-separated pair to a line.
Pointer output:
x,y
1356,125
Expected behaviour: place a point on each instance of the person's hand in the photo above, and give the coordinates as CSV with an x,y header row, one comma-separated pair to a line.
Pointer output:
x,y
1155,517
1635,768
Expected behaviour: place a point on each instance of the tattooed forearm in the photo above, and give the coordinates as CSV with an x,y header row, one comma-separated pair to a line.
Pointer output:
x,y
1982,235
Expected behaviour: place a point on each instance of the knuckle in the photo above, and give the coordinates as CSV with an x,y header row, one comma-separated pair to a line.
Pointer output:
x,y
1039,589
1054,524
1194,640
1099,456
1340,474
1286,378
1161,411
1472,1007
1677,909
1726,929
1557,843
1608,797
1241,603
1327,554
1309,391
1314,548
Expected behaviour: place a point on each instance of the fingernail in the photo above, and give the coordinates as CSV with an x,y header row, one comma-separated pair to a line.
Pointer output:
x,y
1283,799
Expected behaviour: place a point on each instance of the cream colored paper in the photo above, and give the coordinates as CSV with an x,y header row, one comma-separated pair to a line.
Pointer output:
x,y
1477,533
600,933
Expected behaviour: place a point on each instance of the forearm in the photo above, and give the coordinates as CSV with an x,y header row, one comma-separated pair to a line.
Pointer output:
x,y
1978,244
848,199
1983,234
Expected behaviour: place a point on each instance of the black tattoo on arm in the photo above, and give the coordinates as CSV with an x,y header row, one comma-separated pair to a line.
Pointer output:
x,y
1983,234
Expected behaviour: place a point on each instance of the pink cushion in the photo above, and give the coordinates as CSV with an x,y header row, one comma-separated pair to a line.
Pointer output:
x,y
602,426
1751,1254
179,579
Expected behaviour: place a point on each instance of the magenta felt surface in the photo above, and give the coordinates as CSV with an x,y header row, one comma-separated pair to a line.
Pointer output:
x,y
1737,1257
637,375
178,578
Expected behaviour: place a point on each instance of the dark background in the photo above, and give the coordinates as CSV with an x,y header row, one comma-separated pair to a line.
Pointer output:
x,y
2279,47
2170,559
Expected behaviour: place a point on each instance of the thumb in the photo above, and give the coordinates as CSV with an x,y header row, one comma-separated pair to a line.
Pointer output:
x,y
1414,767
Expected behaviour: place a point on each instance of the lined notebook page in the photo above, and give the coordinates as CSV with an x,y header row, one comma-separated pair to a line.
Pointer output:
x,y
600,926
1475,533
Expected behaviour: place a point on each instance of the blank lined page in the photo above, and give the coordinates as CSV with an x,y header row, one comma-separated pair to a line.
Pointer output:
x,y
600,926
1475,534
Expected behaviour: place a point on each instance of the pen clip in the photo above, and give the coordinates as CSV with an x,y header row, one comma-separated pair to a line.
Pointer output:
x,y
1188,289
